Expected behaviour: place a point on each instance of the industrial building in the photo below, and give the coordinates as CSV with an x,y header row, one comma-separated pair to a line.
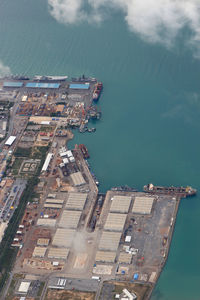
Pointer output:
x,y
43,242
142,205
63,237
40,85
70,219
115,222
52,205
77,179
47,162
120,204
110,240
39,251
105,256
24,287
79,86
58,253
54,201
125,258
46,222
12,84
10,140
76,201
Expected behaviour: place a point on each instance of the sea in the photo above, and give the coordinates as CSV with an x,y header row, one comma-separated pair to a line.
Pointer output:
x,y
150,126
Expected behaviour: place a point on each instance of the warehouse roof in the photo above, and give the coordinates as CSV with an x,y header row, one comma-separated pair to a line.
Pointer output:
x,y
42,85
105,256
39,251
52,205
120,204
77,179
110,240
10,140
47,161
79,86
46,222
24,286
43,242
125,258
70,219
76,201
59,253
55,201
115,222
142,205
63,237
12,84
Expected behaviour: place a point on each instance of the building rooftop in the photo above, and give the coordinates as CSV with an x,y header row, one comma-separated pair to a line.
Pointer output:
x,y
142,205
69,219
115,222
120,204
109,240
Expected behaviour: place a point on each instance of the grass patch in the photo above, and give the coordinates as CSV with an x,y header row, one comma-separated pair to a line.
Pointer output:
x,y
16,165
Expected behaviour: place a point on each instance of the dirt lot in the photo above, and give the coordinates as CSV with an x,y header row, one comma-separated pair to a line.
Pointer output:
x,y
69,295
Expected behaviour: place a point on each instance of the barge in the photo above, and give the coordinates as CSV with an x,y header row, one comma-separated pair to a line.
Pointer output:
x,y
84,151
182,192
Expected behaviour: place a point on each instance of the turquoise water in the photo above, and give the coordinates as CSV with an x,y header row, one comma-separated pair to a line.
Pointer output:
x,y
150,127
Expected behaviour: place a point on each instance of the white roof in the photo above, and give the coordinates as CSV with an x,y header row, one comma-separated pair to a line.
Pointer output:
x,y
120,204
76,201
24,286
69,153
10,140
47,161
45,122
62,154
128,239
65,160
70,219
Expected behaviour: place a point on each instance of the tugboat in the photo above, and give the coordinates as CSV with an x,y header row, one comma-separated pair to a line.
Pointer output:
x,y
97,91
182,192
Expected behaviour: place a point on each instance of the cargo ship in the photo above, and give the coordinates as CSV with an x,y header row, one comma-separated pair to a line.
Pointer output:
x,y
97,91
124,188
182,192
84,150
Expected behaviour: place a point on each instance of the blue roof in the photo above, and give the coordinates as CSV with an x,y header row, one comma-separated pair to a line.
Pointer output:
x,y
12,84
79,86
42,85
136,276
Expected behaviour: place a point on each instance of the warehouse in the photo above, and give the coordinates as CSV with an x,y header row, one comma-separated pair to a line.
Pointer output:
x,y
77,179
47,162
39,251
125,258
70,219
105,256
79,86
46,222
115,222
24,287
143,205
44,85
58,253
76,201
10,140
51,205
109,240
120,204
54,201
43,242
12,84
63,237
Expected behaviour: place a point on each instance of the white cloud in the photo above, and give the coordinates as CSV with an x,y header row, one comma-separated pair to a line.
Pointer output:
x,y
4,70
154,20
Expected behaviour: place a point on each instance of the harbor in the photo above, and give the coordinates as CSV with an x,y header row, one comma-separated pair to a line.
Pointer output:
x,y
70,235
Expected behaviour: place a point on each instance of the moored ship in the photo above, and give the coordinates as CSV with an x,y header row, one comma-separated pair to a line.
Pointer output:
x,y
97,91
84,150
182,192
